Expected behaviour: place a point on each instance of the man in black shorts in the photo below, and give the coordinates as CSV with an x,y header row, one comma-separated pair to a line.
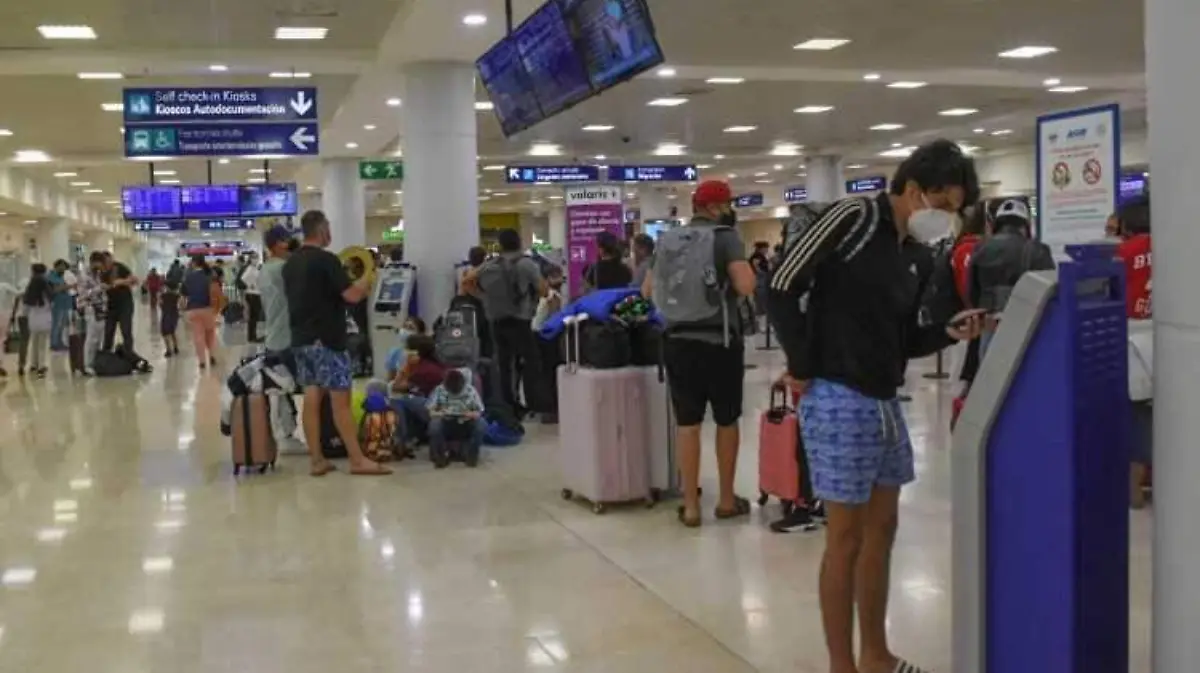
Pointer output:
x,y
318,291
698,274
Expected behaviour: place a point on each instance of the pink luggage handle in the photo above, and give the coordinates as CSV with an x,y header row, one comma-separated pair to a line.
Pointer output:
x,y
569,322
777,411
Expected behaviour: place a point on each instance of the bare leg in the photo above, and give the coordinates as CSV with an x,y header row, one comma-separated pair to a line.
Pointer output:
x,y
312,430
688,439
728,439
843,542
1137,479
873,578
343,418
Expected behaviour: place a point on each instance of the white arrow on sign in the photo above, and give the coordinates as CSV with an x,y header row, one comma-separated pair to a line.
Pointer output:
x,y
369,169
301,103
689,173
514,174
301,138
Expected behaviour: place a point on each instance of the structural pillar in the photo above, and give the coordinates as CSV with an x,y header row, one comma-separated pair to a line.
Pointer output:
x,y
558,228
825,180
98,241
655,203
1171,52
441,208
344,202
53,238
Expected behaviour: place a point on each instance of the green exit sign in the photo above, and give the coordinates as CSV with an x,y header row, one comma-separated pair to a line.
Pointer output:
x,y
381,170
393,236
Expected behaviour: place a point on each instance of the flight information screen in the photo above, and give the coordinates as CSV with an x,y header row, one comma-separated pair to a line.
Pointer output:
x,y
555,66
211,201
151,203
615,37
503,75
267,200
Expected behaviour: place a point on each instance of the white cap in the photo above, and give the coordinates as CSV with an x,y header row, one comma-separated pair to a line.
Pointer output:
x,y
1013,208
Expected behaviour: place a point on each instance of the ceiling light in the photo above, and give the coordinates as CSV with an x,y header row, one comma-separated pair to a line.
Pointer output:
x,y
898,152
31,221
150,158
481,105
761,174
535,202
67,32
63,517
786,149
1067,89
93,191
1002,132
763,182
725,80
740,129
667,102
368,127
872,76
855,167
81,184
351,146
474,19
31,157
112,107
887,127
259,170
157,564
544,150
257,180
5,133
18,576
598,128
905,84
704,167
484,198
958,112
556,198
718,157
779,167
821,44
66,174
978,130
1028,52
146,621
395,102
100,75
222,161
666,72
112,202
295,33
218,67
1053,81
493,167
670,150
163,173
168,181
600,157
51,534
290,75
813,109
500,194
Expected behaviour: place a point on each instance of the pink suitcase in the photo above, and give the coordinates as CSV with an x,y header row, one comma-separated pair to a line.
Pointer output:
x,y
778,466
605,457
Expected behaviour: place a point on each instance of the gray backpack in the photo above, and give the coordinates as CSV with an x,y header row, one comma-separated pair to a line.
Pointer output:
x,y
686,286
503,295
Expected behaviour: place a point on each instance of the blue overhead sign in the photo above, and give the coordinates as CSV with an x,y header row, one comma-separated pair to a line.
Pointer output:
x,y
686,173
160,225
534,174
226,225
173,105
201,140
876,183
795,195
748,200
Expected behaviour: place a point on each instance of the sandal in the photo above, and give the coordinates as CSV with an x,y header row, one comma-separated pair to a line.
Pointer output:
x,y
741,507
903,666
375,470
322,469
683,518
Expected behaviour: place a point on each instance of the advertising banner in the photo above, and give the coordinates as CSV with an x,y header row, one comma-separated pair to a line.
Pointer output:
x,y
1078,171
590,210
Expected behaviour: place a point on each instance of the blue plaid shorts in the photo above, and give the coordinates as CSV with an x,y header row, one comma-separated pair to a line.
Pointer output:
x,y
323,367
854,443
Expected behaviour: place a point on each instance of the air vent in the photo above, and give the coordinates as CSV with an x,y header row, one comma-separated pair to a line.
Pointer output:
x,y
691,92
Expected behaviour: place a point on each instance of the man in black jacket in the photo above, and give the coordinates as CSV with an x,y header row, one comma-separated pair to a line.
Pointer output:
x,y
847,353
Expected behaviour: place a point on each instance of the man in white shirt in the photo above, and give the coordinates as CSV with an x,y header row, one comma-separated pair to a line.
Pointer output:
x,y
248,283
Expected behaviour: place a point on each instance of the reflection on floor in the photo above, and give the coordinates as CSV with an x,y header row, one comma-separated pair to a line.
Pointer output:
x,y
126,546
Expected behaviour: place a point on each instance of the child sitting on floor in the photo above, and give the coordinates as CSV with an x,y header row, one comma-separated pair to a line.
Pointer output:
x,y
455,414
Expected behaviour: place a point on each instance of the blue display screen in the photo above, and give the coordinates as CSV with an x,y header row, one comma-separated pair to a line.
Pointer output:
x,y
615,38
267,200
151,203
555,66
503,75
210,201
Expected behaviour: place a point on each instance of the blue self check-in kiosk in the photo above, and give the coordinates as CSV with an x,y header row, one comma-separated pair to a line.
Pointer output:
x,y
392,301
1041,480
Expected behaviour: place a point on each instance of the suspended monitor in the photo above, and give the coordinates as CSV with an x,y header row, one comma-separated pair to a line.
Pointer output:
x,y
151,203
211,201
267,200
554,64
504,77
615,37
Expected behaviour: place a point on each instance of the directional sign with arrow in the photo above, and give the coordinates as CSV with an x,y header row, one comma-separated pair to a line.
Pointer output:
x,y
233,104
199,140
381,170
681,173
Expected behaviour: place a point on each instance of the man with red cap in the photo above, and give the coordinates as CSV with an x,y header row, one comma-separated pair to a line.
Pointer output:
x,y
697,276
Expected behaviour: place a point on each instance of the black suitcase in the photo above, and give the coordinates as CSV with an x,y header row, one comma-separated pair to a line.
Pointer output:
x,y
75,352
332,446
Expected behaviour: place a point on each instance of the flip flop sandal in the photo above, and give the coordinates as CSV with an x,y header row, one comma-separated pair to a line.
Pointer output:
x,y
322,469
903,666
377,471
683,518
741,507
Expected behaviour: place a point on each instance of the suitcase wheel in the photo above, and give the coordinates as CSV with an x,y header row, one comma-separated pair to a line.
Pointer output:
x,y
567,494
599,508
762,498
263,469
656,496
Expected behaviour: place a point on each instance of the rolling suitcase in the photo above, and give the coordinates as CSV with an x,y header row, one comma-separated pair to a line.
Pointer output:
x,y
778,459
660,427
607,460
250,426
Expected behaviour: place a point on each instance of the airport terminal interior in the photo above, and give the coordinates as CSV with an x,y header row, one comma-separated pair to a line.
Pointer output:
x,y
165,131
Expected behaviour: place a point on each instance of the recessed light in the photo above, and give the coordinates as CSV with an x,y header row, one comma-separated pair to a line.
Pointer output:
x,y
598,128
535,202
66,174
112,107
821,44
351,146
718,157
290,75
51,534
556,198
260,170
93,191
61,517
1067,89
898,152
500,194
31,221
763,182
163,172
169,181
396,102
1028,52
297,33
493,167
704,167
855,167
18,576
725,80
222,161
667,102
813,109
544,150
146,621
778,167
978,130
905,84
474,19
670,150
218,67
81,184
600,157
1053,81
887,127
1002,132
740,129
112,202
157,564
665,71
67,32
872,76
100,75
786,149
897,144
5,133
31,157
481,105
958,112
761,174
484,198
368,127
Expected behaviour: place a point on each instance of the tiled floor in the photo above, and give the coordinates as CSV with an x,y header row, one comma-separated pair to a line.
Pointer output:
x,y
126,546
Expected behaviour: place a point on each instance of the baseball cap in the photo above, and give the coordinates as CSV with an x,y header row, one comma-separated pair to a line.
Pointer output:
x,y
712,191
276,235
1013,208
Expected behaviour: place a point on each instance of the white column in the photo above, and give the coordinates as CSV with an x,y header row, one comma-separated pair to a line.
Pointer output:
x,y
825,181
558,228
98,240
654,202
441,208
53,240
344,202
1171,54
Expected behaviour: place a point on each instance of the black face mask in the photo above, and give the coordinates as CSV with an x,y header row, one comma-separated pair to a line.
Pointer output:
x,y
729,219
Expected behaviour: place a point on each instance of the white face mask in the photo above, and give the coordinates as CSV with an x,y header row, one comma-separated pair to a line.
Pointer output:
x,y
929,224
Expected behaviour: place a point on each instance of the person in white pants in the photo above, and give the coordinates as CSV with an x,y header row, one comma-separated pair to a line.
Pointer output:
x,y
93,298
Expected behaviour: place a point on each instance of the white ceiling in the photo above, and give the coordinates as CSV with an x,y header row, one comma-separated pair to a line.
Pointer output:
x,y
951,44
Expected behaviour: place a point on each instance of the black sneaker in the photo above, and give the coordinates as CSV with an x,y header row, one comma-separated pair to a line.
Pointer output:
x,y
797,521
817,512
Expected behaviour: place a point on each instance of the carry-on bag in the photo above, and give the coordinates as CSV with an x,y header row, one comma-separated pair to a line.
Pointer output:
x,y
605,459
253,442
332,446
778,459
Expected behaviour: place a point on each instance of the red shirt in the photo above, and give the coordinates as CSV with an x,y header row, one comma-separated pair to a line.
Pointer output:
x,y
960,262
424,376
1135,252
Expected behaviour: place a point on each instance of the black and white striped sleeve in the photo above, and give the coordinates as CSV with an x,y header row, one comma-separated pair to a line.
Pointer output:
x,y
844,227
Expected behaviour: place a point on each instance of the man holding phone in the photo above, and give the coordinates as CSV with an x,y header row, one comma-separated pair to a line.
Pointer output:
x,y
847,352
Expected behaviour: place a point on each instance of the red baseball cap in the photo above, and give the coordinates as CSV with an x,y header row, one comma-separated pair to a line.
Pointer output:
x,y
712,191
